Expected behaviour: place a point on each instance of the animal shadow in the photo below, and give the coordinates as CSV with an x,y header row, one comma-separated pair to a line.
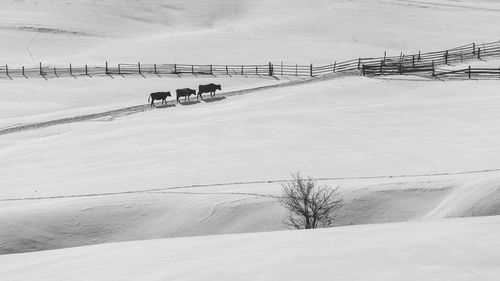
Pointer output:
x,y
213,99
189,102
165,106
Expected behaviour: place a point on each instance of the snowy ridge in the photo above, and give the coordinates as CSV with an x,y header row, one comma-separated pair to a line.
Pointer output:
x,y
457,249
471,199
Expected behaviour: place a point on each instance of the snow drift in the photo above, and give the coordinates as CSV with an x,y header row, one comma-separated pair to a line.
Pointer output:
x,y
460,249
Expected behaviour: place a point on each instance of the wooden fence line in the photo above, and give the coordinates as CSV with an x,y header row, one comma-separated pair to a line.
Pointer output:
x,y
386,65
430,69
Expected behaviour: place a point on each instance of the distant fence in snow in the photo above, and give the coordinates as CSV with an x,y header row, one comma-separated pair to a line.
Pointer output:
x,y
426,63
386,65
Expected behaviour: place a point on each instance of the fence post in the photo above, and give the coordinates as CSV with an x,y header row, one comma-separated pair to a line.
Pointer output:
x,y
473,48
479,53
23,72
86,70
106,68
242,70
281,68
70,70
119,70
446,57
7,71
311,69
413,61
175,68
154,68
433,69
270,69
192,69
256,71
227,70
334,66
469,72
296,70
419,55
55,72
359,63
41,74
211,70
139,66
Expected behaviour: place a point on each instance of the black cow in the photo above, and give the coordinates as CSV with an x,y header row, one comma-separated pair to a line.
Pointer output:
x,y
185,92
209,88
158,96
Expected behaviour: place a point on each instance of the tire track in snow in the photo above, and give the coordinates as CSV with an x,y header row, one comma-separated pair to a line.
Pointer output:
x,y
157,190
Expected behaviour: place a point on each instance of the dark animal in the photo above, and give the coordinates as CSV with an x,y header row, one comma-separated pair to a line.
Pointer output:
x,y
209,88
158,96
185,92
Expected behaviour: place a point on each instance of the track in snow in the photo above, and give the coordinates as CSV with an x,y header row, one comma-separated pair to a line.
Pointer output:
x,y
280,181
113,114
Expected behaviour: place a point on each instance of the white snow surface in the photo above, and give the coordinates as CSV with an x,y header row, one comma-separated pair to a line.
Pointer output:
x,y
458,249
236,31
345,127
129,175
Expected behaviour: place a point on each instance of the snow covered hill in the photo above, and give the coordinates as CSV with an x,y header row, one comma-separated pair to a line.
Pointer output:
x,y
459,249
221,31
134,175
346,127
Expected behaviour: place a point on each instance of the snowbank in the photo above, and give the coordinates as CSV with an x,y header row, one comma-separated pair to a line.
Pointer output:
x,y
459,249
479,198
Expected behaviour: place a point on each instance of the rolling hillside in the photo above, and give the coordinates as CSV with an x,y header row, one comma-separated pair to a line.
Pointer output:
x,y
408,153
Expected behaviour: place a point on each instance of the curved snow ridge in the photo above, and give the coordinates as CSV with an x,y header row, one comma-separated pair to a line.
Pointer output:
x,y
455,249
113,114
479,198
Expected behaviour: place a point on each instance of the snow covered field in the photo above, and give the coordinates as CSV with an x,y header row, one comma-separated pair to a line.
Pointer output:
x,y
458,249
346,127
186,170
236,31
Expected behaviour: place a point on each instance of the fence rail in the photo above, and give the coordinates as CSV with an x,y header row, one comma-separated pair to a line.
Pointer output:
x,y
386,65
471,73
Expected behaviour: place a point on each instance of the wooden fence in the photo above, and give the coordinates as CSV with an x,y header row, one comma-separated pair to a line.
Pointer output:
x,y
426,63
470,72
386,65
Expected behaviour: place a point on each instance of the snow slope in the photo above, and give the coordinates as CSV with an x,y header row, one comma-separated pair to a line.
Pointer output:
x,y
459,249
37,100
480,197
221,31
346,127
342,127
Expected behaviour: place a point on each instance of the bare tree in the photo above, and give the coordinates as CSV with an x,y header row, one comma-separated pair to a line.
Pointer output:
x,y
308,204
